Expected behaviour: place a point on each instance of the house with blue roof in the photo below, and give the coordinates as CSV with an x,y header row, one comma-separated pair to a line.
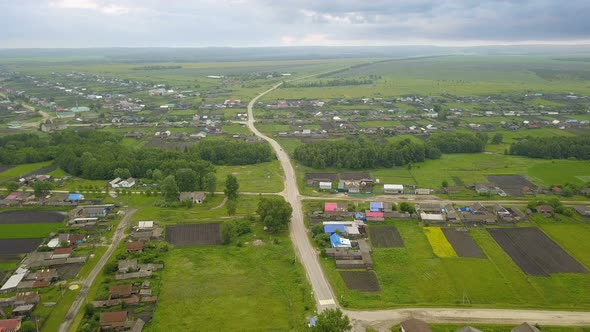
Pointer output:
x,y
330,229
339,242
376,206
75,198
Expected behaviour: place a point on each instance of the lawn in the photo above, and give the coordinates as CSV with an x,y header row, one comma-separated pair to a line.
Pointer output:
x,y
21,170
259,178
231,288
414,276
28,231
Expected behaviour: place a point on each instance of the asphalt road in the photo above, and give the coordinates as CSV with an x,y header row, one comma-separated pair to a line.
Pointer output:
x,y
299,235
87,283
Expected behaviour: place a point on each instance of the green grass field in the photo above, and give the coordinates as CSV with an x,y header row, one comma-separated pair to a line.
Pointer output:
x,y
259,178
415,276
28,231
230,288
20,170
496,328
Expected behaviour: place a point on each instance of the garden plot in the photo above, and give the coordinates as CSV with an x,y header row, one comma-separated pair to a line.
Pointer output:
x,y
31,217
439,243
11,248
463,243
365,281
534,252
385,237
511,184
195,234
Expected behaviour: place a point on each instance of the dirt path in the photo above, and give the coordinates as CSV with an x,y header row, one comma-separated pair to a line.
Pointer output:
x,y
220,204
87,283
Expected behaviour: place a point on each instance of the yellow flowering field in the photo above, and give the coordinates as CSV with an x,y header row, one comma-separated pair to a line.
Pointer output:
x,y
439,243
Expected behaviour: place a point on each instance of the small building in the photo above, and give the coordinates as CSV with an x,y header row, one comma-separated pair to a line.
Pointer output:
x,y
374,216
313,179
94,211
525,327
334,228
75,198
432,217
114,320
583,210
339,242
501,211
376,206
10,325
120,291
135,246
62,253
145,225
197,197
414,325
325,185
422,191
545,209
335,207
393,189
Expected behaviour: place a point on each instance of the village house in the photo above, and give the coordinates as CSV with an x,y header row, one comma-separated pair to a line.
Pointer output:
x,y
120,291
339,242
10,325
62,253
544,209
118,183
197,197
314,179
135,246
115,320
93,211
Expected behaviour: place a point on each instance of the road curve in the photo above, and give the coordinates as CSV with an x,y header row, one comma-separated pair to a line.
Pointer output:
x,y
305,251
87,283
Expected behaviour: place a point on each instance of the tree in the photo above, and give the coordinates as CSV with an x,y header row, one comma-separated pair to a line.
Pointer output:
x,y
122,173
169,189
42,188
28,326
275,213
232,187
231,206
332,320
157,175
186,179
445,184
89,310
211,183
498,138
407,207
12,186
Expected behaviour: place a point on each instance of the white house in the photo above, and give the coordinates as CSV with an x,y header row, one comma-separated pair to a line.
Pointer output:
x,y
118,183
326,185
393,189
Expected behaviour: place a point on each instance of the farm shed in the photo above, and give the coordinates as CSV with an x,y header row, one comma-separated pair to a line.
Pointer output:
x,y
12,282
583,210
197,197
145,225
393,189
414,325
339,242
326,185
422,191
432,217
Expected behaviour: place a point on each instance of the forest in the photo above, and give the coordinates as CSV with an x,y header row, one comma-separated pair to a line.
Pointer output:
x,y
362,153
458,142
96,154
556,147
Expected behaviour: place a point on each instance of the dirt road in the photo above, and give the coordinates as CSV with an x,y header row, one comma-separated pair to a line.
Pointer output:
x,y
305,251
87,283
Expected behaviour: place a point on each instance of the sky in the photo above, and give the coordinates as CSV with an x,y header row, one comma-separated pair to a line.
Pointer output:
x,y
255,23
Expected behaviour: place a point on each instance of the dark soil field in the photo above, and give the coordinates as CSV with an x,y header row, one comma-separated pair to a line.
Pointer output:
x,y
31,217
196,234
463,243
14,247
534,252
68,271
365,281
385,237
511,184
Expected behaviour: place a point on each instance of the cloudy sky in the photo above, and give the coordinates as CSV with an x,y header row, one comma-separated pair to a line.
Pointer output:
x,y
243,23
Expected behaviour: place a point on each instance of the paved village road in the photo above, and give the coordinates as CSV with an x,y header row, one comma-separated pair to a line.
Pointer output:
x,y
305,251
87,283
382,320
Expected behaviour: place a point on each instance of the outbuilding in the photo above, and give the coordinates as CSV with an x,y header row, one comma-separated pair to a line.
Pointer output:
x,y
393,189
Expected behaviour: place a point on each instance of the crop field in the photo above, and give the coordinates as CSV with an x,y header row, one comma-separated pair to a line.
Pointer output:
x,y
195,234
385,237
440,245
534,252
20,231
364,281
463,243
31,217
11,248
231,288
21,170
511,184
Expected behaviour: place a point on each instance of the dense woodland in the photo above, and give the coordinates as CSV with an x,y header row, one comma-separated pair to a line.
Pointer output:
x,y
361,153
458,142
556,147
96,154
328,83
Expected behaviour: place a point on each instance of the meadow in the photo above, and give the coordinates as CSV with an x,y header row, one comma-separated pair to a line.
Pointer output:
x,y
20,170
259,178
415,276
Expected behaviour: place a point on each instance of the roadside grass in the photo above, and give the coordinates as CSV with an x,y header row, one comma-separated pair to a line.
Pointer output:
x,y
21,170
28,231
263,287
495,328
414,276
58,312
439,243
260,178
